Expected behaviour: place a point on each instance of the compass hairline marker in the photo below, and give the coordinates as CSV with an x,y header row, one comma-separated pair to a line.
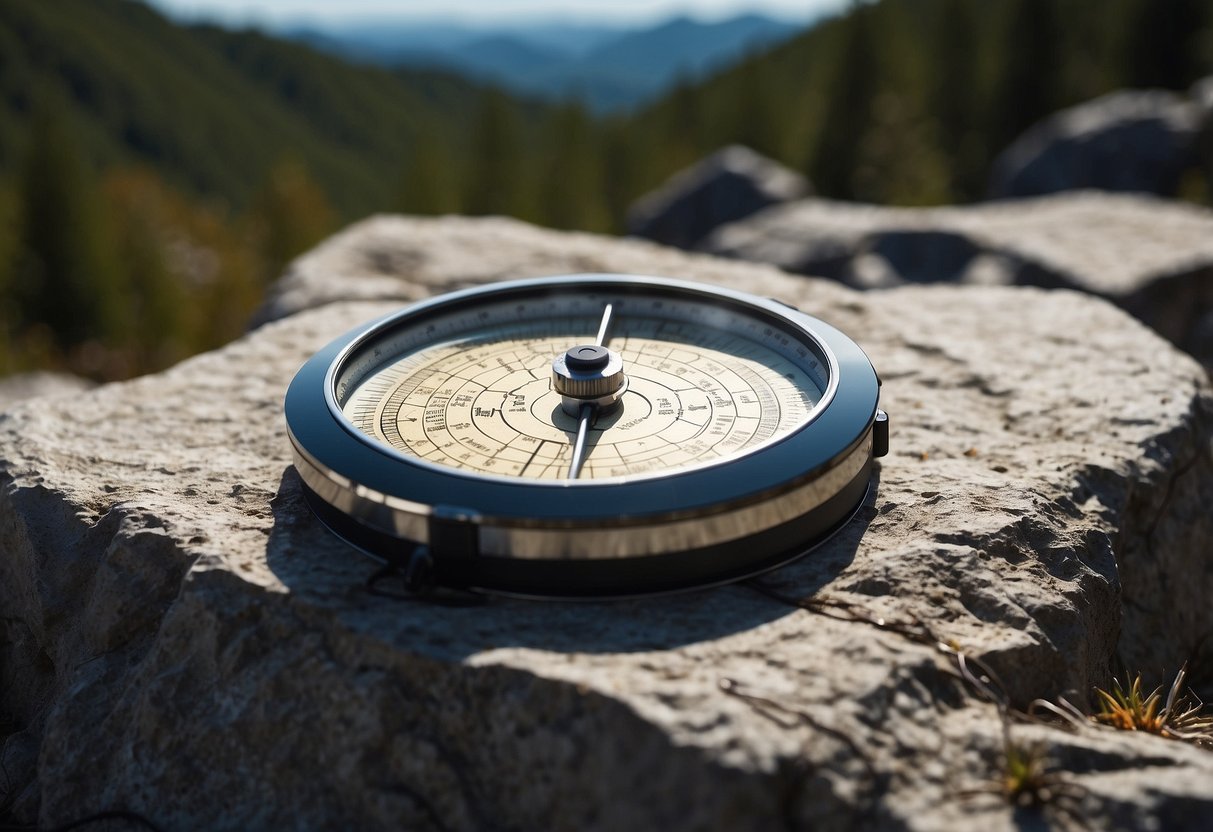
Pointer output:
x,y
377,514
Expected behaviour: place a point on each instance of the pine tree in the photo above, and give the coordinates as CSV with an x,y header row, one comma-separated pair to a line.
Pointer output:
x,y
497,181
954,94
1168,43
626,166
8,248
684,126
899,161
757,112
430,184
290,214
570,173
149,239
1030,83
851,94
65,276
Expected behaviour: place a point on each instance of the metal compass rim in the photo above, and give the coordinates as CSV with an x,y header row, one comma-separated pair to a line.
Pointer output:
x,y
507,525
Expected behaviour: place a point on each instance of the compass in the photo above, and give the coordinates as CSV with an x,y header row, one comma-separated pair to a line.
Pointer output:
x,y
587,436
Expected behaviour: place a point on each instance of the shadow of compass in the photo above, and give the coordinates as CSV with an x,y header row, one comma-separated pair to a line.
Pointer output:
x,y
327,576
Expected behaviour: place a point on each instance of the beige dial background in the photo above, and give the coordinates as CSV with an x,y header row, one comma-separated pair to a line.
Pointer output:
x,y
695,396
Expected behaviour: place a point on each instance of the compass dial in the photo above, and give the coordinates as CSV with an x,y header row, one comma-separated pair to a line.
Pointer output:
x,y
475,390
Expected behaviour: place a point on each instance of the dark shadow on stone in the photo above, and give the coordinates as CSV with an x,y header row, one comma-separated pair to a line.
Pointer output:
x,y
1029,273
926,256
1032,819
328,576
833,266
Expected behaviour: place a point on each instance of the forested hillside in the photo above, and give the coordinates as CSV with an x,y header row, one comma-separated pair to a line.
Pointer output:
x,y
154,177
213,110
908,101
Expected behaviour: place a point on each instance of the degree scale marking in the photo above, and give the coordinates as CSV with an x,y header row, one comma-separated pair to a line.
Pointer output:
x,y
433,420
698,394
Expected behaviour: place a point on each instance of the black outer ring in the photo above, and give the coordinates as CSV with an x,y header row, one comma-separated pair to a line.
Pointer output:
x,y
625,577
591,505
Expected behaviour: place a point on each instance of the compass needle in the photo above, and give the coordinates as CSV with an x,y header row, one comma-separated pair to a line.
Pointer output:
x,y
601,338
702,436
583,428
591,382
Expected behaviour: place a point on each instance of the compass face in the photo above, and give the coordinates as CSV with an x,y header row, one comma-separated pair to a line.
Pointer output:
x,y
474,390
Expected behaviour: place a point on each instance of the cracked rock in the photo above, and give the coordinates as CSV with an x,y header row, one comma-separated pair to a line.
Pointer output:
x,y
181,638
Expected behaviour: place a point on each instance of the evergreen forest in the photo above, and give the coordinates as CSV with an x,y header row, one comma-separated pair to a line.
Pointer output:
x,y
155,177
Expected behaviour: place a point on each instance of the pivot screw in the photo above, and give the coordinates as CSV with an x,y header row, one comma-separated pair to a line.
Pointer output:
x,y
588,374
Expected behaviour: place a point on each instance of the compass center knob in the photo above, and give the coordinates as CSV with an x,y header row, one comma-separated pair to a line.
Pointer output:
x,y
587,358
588,374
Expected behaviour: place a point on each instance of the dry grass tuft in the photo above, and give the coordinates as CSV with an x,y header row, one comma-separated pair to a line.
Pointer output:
x,y
1181,717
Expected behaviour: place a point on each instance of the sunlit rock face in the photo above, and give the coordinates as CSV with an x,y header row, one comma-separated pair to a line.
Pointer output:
x,y
23,386
181,638
1152,257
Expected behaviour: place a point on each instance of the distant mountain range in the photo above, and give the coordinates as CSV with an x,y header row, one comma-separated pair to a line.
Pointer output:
x,y
607,68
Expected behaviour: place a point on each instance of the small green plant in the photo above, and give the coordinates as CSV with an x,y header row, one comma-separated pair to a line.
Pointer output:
x,y
1026,779
1181,717
1027,782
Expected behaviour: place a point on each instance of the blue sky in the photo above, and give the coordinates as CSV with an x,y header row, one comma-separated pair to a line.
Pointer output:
x,y
278,12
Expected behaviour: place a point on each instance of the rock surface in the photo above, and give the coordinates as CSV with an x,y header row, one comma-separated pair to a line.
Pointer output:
x,y
728,185
383,258
182,639
24,386
1152,257
1132,140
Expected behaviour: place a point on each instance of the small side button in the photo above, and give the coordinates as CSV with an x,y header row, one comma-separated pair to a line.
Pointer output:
x,y
880,434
